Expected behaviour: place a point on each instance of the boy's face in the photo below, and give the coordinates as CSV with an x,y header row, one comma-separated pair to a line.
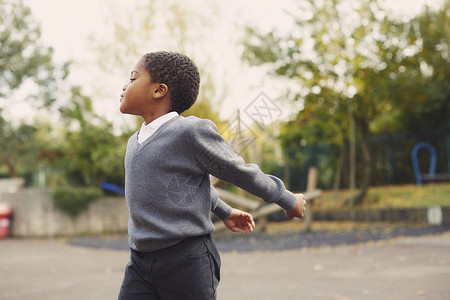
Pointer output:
x,y
137,93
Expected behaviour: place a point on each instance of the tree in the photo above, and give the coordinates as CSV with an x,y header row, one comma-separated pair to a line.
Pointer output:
x,y
17,145
23,57
423,97
92,153
23,61
179,31
358,65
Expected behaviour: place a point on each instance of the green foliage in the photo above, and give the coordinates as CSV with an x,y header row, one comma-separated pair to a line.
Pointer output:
x,y
424,95
19,148
92,153
178,21
203,109
84,152
23,59
74,201
23,56
354,62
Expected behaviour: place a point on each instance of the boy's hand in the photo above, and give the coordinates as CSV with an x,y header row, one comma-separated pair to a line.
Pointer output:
x,y
239,220
299,208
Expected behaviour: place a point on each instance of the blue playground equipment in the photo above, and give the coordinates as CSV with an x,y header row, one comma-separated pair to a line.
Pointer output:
x,y
118,190
432,171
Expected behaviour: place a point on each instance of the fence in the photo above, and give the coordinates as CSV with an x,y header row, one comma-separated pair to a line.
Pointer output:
x,y
391,159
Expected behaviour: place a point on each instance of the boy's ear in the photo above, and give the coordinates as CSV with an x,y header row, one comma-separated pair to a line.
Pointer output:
x,y
160,91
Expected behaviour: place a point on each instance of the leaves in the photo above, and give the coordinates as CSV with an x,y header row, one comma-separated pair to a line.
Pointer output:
x,y
73,201
22,56
92,152
354,62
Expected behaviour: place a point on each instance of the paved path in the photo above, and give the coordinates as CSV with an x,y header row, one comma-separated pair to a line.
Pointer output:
x,y
400,268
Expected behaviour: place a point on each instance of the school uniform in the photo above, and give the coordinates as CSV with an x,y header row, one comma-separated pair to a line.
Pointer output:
x,y
169,197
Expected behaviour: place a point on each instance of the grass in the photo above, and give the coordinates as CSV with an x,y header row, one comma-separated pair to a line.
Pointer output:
x,y
287,227
397,196
403,196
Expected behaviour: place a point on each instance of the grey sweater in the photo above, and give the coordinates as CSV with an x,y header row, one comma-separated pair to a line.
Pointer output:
x,y
167,184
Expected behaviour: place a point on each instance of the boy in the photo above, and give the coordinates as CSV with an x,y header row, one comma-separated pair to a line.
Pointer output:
x,y
167,186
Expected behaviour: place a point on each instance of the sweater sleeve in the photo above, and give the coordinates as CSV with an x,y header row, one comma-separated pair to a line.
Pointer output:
x,y
218,206
217,157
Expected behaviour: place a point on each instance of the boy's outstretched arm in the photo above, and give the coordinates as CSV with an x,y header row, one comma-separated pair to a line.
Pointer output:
x,y
299,208
239,220
214,156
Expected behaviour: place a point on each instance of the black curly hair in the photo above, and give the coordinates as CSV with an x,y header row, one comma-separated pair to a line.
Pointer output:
x,y
179,73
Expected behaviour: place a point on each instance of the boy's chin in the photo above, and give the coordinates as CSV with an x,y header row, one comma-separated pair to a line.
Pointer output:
x,y
125,111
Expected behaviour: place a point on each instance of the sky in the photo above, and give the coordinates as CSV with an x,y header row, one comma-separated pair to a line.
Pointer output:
x,y
68,26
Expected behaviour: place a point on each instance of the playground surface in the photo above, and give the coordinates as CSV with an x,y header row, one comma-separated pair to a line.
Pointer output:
x,y
410,266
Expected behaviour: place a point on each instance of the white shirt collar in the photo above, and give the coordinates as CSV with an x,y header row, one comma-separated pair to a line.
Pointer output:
x,y
147,130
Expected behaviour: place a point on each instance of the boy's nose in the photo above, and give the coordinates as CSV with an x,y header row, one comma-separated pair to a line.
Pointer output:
x,y
124,87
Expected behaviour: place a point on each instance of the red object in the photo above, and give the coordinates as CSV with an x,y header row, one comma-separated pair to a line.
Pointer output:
x,y
5,222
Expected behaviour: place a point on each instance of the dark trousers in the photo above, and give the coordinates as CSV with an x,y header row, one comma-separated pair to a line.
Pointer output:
x,y
187,270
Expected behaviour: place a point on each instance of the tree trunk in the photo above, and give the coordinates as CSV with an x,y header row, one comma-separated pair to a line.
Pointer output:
x,y
367,170
11,168
339,166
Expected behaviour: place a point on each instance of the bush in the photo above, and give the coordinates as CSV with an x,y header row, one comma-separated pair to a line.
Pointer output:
x,y
73,201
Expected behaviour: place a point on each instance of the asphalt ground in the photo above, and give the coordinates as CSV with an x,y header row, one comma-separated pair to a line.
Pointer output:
x,y
400,262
